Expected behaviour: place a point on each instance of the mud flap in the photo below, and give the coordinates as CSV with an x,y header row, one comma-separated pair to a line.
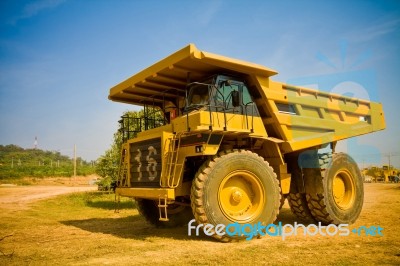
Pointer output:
x,y
308,162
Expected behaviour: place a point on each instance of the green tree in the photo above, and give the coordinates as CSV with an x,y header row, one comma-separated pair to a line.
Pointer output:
x,y
16,162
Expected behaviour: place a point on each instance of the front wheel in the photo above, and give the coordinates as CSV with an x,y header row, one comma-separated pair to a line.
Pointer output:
x,y
235,187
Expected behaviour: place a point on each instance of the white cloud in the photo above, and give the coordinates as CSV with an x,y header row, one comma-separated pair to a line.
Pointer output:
x,y
208,13
34,8
376,30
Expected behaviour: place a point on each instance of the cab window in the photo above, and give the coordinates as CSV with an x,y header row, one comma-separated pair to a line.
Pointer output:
x,y
246,97
223,96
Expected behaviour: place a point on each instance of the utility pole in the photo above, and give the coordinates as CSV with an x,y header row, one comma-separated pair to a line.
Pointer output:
x,y
75,160
388,170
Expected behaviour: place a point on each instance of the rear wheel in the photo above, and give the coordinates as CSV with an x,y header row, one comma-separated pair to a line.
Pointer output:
x,y
282,202
235,187
297,198
177,214
298,206
342,194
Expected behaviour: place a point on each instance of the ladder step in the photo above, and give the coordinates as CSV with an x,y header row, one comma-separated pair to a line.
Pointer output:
x,y
162,208
174,164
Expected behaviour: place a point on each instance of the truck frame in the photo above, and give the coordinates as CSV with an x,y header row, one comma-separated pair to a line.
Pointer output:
x,y
231,144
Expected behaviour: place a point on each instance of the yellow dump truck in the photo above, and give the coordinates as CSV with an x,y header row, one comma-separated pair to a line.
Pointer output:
x,y
389,173
232,144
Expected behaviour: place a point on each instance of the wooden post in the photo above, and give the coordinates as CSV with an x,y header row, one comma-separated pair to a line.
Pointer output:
x,y
75,160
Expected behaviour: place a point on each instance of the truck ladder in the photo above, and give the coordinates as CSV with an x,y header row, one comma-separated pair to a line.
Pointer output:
x,y
174,164
123,176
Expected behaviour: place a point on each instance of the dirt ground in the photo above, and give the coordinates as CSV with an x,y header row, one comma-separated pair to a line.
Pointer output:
x,y
19,197
97,237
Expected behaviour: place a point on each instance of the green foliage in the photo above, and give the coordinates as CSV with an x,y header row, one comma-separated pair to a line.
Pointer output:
x,y
16,162
132,122
107,166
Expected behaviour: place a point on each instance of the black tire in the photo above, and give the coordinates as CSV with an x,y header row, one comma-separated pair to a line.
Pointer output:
x,y
177,214
282,202
297,198
342,194
235,186
298,206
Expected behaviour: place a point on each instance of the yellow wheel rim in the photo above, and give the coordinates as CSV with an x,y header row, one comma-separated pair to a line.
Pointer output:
x,y
241,196
343,189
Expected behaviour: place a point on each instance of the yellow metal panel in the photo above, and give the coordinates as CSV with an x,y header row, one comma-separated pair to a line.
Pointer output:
x,y
146,193
285,183
210,149
235,64
377,116
316,99
319,117
322,124
152,133
118,90
200,121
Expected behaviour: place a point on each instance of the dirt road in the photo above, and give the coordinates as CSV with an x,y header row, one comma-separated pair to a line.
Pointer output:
x,y
23,195
39,189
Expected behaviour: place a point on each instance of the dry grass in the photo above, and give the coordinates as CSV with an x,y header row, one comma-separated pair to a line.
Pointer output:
x,y
82,229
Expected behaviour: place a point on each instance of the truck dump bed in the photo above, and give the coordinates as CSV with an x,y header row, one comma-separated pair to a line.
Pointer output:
x,y
303,117
294,117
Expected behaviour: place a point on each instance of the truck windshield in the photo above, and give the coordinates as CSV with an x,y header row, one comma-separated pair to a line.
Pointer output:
x,y
199,94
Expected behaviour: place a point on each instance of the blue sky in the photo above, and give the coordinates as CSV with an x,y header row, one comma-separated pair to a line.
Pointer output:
x,y
59,58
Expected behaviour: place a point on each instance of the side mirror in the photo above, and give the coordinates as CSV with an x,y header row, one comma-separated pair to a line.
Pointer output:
x,y
235,99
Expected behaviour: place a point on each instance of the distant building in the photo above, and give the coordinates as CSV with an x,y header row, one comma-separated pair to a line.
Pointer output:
x,y
35,143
